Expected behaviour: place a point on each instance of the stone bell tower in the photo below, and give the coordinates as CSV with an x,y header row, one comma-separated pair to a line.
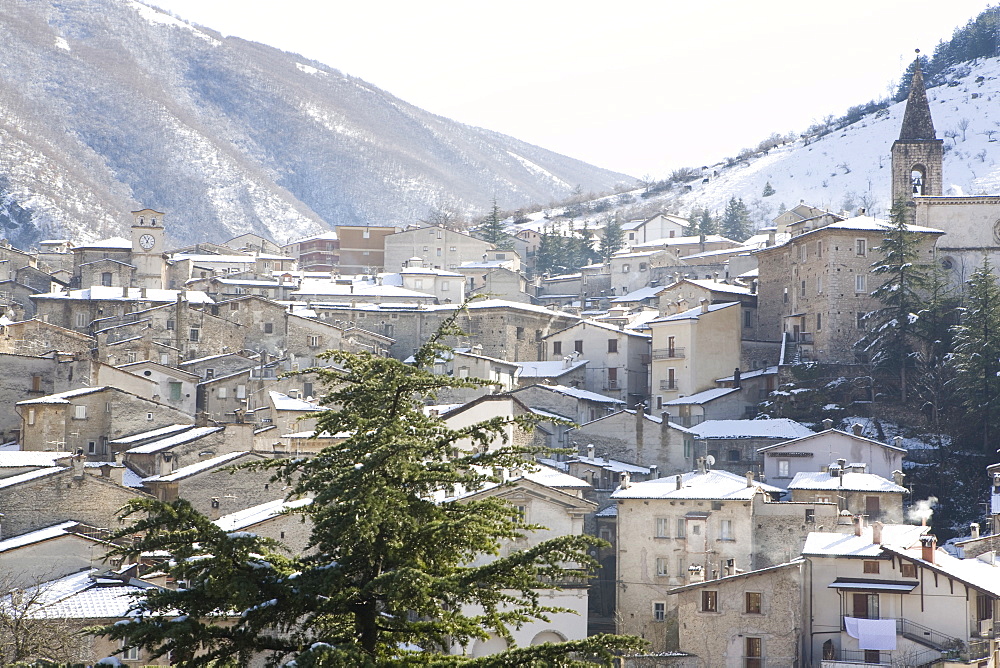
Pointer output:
x,y
917,154
148,249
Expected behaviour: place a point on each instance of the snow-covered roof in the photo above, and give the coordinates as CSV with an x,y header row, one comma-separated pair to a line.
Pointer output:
x,y
851,481
750,374
20,458
715,286
427,271
713,484
831,432
31,475
868,223
315,237
727,429
38,536
552,369
637,295
257,514
172,441
102,292
550,477
981,572
153,433
829,544
283,402
549,415
600,325
356,290
694,313
85,595
582,394
702,397
198,467
612,465
63,397
110,242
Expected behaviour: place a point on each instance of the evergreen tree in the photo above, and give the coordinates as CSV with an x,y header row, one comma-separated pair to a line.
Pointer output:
x,y
390,578
976,356
891,327
549,253
613,239
768,190
492,228
933,330
707,224
736,220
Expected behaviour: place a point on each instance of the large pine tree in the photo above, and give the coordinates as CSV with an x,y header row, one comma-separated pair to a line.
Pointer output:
x,y
904,278
976,355
736,220
388,579
612,241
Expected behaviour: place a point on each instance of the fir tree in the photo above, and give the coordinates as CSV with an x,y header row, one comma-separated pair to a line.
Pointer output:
x,y
389,579
934,332
707,224
492,228
612,241
736,220
976,356
891,327
768,190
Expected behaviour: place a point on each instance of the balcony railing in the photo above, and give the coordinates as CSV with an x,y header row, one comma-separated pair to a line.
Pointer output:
x,y
668,353
668,384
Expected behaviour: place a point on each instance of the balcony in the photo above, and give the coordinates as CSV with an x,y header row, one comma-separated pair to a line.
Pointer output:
x,y
668,384
668,353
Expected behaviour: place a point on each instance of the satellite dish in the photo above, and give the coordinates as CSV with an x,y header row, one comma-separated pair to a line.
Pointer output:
x,y
710,460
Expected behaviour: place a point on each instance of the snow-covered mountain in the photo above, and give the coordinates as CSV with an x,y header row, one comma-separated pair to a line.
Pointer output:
x,y
111,105
849,167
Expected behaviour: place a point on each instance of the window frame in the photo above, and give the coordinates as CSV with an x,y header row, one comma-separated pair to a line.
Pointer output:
x,y
709,600
753,603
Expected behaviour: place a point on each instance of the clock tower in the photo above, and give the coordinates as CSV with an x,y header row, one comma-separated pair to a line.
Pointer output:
x,y
148,249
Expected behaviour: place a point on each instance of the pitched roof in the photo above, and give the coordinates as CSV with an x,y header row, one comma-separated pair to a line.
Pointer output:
x,y
702,397
713,484
257,514
728,429
917,122
172,441
851,481
198,467
696,312
830,432
580,394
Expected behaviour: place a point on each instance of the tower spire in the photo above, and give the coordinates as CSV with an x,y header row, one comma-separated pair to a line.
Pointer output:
x,y
917,121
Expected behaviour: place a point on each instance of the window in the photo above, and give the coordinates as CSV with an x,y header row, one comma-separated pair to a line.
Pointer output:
x,y
170,325
313,341
659,611
709,601
784,467
626,268
908,570
269,328
819,285
754,657
819,321
130,654
784,296
612,345
106,279
663,527
80,412
662,566
519,333
747,318
175,391
753,601
810,516
871,567
81,319
734,455
209,373
241,391
861,319
130,357
872,656
726,530
802,289
307,389
860,247
501,256
453,249
36,383
439,252
681,527
222,393
557,347
194,334
149,417
578,346
802,253
31,416
819,249
642,266
860,283
445,286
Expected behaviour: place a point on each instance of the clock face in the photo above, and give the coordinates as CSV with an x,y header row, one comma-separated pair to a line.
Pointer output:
x,y
147,241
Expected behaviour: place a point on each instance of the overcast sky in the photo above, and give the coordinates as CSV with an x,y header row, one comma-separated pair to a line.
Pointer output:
x,y
638,86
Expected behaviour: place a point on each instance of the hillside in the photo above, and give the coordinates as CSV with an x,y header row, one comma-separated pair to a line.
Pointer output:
x,y
109,105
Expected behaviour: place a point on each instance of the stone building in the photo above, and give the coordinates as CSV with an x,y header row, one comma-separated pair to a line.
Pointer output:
x,y
808,454
815,289
37,337
744,619
703,525
639,438
853,490
618,358
275,519
87,419
51,552
438,248
693,348
734,444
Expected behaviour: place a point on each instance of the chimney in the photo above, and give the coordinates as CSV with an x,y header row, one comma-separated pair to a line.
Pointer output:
x,y
897,477
897,441
701,243
842,463
861,211
857,428
828,424
730,568
859,525
928,545
696,573
749,478
654,472
640,418
704,305
664,428
877,533
736,378
701,464
771,238
677,480
590,451
626,480
753,286
974,530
